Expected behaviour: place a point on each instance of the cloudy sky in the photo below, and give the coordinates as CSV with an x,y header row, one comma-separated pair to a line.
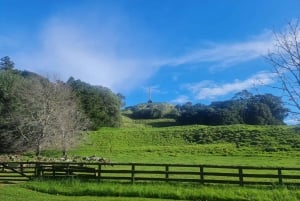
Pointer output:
x,y
185,50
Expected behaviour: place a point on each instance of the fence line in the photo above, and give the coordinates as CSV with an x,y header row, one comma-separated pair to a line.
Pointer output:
x,y
135,172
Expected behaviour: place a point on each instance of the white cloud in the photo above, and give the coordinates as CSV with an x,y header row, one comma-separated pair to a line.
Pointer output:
x,y
180,100
290,121
97,52
227,54
211,90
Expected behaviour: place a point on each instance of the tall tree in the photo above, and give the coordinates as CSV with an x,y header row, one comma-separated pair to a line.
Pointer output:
x,y
70,121
6,63
11,140
285,59
98,103
36,114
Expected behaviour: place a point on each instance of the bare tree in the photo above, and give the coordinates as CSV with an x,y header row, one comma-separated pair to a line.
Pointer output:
x,y
36,112
285,59
49,115
70,121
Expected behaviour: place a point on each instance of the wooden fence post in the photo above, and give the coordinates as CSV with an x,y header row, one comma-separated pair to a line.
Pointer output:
x,y
279,176
202,174
167,173
99,172
53,170
21,168
68,169
37,169
241,179
132,173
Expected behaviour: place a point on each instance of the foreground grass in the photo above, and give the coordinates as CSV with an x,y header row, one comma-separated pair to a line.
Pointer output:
x,y
18,193
164,191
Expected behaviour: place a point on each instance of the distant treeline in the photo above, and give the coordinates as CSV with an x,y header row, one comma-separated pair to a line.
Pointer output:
x,y
243,108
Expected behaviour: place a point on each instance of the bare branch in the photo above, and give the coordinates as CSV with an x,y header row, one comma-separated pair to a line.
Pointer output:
x,y
285,59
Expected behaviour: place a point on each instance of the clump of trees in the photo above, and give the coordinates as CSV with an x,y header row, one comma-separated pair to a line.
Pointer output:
x,y
36,113
151,111
243,108
98,103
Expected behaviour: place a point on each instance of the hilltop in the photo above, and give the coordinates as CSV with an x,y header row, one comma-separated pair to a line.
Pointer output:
x,y
243,108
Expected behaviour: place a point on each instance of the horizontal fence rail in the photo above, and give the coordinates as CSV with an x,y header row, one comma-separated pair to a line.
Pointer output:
x,y
134,172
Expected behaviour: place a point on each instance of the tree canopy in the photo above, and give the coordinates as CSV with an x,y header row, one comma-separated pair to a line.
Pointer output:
x,y
6,63
99,103
243,108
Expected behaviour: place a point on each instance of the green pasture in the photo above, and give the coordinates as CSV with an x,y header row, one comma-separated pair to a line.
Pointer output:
x,y
161,141
79,190
21,193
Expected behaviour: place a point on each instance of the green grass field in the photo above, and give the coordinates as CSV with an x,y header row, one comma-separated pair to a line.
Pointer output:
x,y
19,193
151,142
161,141
78,190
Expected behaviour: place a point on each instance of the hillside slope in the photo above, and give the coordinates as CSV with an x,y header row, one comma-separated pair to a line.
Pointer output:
x,y
142,139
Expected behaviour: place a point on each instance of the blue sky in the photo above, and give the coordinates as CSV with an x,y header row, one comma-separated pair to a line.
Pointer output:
x,y
186,50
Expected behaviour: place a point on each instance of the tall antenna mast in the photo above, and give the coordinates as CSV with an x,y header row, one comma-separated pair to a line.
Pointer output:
x,y
150,96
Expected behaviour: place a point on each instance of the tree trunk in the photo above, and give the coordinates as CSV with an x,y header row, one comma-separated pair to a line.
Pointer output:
x,y
38,149
64,152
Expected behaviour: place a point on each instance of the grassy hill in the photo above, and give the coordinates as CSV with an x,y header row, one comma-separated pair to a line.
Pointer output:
x,y
161,141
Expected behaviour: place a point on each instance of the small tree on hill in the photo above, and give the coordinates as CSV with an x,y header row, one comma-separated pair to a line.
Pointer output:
x,y
6,63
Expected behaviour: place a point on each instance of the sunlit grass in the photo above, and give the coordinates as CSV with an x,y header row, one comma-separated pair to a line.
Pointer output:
x,y
149,142
196,144
18,193
165,191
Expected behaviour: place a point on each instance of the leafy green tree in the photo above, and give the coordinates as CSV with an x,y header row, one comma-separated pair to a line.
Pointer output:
x,y
98,103
242,95
265,109
6,63
11,140
258,114
243,108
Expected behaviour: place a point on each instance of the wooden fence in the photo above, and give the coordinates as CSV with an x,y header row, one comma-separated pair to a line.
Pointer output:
x,y
135,172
